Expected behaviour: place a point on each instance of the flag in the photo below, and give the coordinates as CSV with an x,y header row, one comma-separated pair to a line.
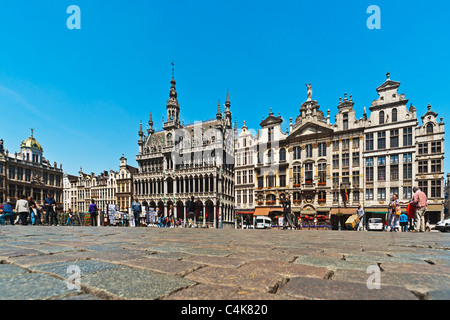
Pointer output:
x,y
346,195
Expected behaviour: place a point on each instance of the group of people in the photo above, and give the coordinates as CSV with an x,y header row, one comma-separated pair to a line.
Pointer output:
x,y
398,220
28,211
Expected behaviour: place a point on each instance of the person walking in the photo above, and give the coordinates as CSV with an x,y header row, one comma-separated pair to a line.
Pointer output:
x,y
93,210
33,211
6,212
23,209
360,213
286,202
420,201
50,205
190,209
136,207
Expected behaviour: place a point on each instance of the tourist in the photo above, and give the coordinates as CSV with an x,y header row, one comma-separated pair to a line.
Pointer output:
x,y
136,207
360,213
420,201
6,212
70,218
23,210
394,213
404,222
286,202
93,212
50,205
191,207
33,211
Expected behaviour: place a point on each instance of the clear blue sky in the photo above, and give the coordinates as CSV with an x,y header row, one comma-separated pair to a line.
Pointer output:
x,y
85,91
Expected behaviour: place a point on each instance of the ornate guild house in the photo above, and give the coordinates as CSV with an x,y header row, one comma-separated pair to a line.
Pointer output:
x,y
183,161
330,168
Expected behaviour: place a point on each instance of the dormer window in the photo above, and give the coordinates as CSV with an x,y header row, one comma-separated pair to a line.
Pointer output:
x,y
394,115
429,128
381,116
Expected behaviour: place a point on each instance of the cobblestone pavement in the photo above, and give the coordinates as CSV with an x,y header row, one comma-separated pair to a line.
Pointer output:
x,y
227,264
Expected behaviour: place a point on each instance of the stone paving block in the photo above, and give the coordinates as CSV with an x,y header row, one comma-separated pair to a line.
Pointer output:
x,y
31,286
215,292
421,267
86,267
8,270
167,266
284,269
135,284
264,281
27,261
313,289
216,261
331,263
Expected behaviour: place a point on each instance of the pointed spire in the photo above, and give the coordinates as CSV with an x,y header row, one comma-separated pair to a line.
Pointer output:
x,y
228,103
219,112
150,124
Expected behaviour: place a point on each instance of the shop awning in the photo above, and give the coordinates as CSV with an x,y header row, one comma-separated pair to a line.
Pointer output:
x,y
308,212
266,210
343,210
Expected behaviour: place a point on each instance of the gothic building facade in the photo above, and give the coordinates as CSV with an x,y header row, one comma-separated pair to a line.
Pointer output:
x,y
183,161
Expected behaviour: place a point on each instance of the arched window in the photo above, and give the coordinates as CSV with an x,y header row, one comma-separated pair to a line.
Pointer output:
x,y
429,128
282,154
381,117
394,115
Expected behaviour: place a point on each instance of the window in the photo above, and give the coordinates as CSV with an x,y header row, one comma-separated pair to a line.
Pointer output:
x,y
309,150
336,161
336,178
322,149
407,137
244,177
297,172
381,173
270,156
355,142
270,181
381,195
435,188
283,180
345,177
394,138
436,166
423,148
394,173
407,171
407,158
297,153
282,154
369,169
345,121
356,196
407,192
335,145
423,166
436,147
19,174
238,177
394,159
355,159
429,128
11,172
322,196
250,176
345,159
260,182
369,142
393,191
381,139
381,161
308,173
322,169
369,194
355,179
381,117
335,196
345,144
238,200
270,134
423,186
394,115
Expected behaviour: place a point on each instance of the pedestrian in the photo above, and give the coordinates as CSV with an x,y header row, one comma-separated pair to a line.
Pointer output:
x,y
23,209
286,202
360,213
136,207
93,210
33,211
394,212
191,207
70,218
6,212
50,205
404,222
420,201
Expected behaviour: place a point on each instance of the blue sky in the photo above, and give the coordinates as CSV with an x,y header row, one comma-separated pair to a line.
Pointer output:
x,y
85,91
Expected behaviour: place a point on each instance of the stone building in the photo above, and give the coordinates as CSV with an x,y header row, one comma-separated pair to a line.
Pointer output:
x,y
29,173
124,183
330,168
181,161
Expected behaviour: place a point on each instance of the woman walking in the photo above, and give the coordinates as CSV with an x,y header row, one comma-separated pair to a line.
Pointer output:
x,y
394,212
